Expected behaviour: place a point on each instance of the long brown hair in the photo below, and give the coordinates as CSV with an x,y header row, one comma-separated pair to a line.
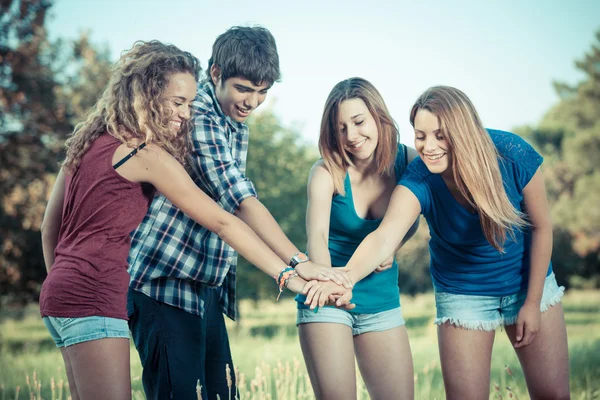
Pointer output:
x,y
132,105
335,158
475,165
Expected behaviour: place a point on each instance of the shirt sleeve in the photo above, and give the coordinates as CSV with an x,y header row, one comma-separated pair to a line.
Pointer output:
x,y
414,178
525,158
215,167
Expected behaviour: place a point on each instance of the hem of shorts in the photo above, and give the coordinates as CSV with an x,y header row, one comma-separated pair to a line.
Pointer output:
x,y
387,307
382,329
545,306
487,326
96,336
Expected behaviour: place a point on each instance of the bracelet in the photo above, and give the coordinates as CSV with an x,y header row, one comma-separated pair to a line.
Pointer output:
x,y
282,277
289,278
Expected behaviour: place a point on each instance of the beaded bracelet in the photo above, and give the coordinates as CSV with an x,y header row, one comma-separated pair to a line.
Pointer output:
x,y
280,279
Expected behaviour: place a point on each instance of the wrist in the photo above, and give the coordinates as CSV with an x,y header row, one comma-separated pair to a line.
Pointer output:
x,y
296,284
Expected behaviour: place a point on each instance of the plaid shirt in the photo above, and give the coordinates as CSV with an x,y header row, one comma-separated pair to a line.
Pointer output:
x,y
172,258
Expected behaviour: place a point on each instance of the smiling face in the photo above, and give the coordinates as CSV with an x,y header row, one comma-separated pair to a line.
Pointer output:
x,y
431,144
357,130
178,97
237,96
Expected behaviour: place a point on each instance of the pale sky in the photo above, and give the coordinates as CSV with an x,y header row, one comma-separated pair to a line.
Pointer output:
x,y
503,54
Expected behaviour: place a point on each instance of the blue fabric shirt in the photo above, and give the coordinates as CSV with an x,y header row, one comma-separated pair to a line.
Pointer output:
x,y
172,258
462,260
378,291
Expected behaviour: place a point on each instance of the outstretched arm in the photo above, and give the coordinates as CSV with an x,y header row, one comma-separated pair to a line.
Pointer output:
x,y
401,214
402,211
157,167
52,220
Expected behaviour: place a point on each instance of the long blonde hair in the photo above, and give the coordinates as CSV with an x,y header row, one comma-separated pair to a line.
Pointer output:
x,y
132,105
335,158
475,165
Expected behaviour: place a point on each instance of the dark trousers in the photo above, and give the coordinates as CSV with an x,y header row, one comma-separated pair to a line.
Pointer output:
x,y
177,348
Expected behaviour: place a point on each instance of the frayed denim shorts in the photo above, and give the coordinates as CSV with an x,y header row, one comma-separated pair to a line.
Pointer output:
x,y
359,323
69,331
486,313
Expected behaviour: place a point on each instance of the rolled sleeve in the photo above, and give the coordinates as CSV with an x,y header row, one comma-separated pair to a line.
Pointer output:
x,y
215,167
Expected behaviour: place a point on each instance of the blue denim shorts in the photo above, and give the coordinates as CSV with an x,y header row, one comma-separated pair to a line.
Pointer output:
x,y
486,313
70,331
359,323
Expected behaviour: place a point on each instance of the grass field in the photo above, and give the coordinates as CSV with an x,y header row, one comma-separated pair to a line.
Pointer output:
x,y
31,367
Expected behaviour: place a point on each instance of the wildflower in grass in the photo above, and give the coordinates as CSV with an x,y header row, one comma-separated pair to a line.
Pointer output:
x,y
508,370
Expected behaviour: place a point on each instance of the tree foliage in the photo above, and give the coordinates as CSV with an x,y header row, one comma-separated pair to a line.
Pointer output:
x,y
44,88
569,138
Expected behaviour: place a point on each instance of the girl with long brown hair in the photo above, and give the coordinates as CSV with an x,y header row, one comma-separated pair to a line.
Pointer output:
x,y
348,194
483,196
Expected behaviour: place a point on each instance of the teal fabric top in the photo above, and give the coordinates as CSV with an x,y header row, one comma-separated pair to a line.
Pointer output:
x,y
378,291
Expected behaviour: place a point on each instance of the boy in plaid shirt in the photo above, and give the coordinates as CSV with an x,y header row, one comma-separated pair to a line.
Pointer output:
x,y
183,275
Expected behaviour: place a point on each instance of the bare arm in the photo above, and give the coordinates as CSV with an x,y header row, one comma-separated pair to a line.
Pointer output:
x,y
536,205
320,193
256,215
403,210
52,220
260,220
157,167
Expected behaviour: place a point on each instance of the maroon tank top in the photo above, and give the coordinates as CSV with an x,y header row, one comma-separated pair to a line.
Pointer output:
x,y
89,275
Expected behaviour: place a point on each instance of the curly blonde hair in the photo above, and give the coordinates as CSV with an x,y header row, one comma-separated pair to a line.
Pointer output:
x,y
132,105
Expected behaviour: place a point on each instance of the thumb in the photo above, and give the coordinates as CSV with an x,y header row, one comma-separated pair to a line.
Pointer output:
x,y
345,299
520,326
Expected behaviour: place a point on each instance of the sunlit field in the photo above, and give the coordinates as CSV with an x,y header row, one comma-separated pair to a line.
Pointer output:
x,y
268,360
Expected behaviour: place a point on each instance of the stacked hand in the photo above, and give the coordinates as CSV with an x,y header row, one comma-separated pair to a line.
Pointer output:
x,y
311,271
319,294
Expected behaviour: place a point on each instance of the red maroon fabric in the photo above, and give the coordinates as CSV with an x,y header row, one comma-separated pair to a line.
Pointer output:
x,y
89,275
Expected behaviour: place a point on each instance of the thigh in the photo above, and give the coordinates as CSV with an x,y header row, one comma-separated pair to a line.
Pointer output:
x,y
172,347
465,357
70,377
328,350
545,360
101,369
385,363
220,377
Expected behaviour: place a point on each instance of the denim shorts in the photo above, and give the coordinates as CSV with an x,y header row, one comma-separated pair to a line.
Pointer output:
x,y
70,331
359,323
486,313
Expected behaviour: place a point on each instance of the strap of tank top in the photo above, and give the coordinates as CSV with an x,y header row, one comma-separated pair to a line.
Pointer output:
x,y
405,156
128,156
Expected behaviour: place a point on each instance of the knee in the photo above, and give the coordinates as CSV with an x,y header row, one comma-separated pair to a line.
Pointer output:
x,y
556,394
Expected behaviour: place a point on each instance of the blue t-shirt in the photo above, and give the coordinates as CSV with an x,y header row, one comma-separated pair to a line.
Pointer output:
x,y
378,291
462,260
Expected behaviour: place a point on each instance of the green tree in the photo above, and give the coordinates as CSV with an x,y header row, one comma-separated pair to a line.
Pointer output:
x,y
44,89
569,138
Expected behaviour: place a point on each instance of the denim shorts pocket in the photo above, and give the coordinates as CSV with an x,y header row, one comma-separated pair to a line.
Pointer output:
x,y
65,321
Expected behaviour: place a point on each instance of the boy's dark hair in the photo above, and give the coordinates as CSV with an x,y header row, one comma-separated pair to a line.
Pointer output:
x,y
246,52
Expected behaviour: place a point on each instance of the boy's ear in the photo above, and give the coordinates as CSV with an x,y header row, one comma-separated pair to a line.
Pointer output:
x,y
215,74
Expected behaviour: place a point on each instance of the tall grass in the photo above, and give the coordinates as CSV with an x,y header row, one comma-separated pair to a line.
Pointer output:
x,y
269,364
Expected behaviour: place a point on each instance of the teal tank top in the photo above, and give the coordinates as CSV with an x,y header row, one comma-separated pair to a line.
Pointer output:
x,y
378,291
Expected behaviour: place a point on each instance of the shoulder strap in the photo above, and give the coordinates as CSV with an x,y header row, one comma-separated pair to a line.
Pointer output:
x,y
405,156
128,156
